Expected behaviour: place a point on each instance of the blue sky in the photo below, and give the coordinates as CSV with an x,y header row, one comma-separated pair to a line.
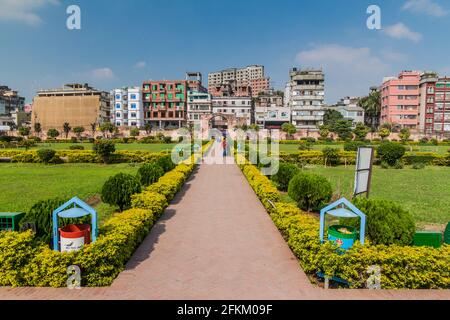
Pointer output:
x,y
125,42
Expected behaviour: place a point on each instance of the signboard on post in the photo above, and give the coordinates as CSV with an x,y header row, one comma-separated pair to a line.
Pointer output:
x,y
363,175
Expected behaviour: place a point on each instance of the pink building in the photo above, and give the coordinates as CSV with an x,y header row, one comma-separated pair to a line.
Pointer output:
x,y
400,100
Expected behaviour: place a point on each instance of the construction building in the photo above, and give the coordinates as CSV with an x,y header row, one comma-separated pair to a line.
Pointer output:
x,y
77,104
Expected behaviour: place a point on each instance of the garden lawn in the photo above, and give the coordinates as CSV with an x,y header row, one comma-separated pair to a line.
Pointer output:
x,y
292,148
425,193
152,147
22,185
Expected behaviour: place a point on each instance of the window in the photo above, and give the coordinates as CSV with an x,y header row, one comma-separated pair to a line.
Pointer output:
x,y
133,124
118,115
133,106
117,105
133,115
118,123
117,96
133,96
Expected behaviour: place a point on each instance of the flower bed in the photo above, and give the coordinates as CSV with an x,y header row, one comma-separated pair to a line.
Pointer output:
x,y
25,263
401,266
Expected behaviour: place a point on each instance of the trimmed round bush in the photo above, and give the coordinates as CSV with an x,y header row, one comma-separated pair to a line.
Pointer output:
x,y
166,163
310,191
286,172
149,173
118,190
104,148
353,145
387,222
331,156
46,155
76,147
390,152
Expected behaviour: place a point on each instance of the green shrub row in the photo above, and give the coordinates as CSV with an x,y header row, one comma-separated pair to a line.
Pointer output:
x,y
83,156
401,266
317,157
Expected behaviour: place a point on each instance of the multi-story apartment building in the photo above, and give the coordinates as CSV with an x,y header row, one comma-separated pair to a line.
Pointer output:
x,y
251,77
350,110
434,110
199,104
239,107
165,103
127,107
12,113
77,104
270,112
306,91
400,100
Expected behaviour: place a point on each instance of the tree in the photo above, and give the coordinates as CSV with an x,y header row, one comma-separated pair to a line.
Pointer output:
x,y
104,148
78,131
404,134
66,129
343,128
108,127
331,117
37,128
384,133
24,131
118,190
134,132
52,133
361,131
289,129
148,128
372,109
324,131
93,129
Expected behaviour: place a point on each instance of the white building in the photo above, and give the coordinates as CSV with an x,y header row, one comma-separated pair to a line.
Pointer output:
x,y
127,106
240,107
198,105
350,110
272,117
306,90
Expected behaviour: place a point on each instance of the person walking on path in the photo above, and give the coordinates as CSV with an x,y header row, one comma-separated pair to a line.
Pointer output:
x,y
224,146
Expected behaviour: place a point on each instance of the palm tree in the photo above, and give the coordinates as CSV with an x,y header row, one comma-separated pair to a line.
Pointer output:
x,y
66,128
372,109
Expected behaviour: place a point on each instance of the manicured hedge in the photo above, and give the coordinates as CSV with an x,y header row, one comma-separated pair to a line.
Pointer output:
x,y
84,156
401,266
349,157
25,262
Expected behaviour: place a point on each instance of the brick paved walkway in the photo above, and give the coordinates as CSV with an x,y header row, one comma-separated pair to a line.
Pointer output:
x,y
215,241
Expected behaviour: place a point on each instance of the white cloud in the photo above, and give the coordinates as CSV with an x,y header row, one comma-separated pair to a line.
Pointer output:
x,y
425,6
401,31
23,11
140,65
102,74
348,70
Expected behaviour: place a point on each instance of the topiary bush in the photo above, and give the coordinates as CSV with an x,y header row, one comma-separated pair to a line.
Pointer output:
x,y
149,173
166,163
310,191
46,155
353,145
105,149
390,152
76,147
286,172
118,190
387,222
331,156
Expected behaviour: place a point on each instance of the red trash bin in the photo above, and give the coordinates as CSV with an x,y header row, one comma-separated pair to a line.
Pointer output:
x,y
73,237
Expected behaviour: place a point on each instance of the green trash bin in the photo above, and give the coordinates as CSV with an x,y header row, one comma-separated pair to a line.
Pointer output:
x,y
447,234
9,221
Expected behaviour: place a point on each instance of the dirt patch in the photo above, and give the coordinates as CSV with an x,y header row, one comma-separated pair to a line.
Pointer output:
x,y
94,200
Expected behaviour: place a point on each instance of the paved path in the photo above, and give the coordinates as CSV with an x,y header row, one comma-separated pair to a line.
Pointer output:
x,y
215,241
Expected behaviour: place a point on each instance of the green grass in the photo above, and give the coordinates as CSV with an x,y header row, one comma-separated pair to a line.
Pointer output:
x,y
22,185
425,193
152,147
292,148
